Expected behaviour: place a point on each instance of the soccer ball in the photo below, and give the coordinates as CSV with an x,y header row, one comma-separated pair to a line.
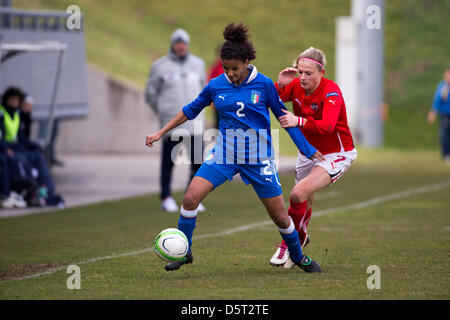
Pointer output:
x,y
171,244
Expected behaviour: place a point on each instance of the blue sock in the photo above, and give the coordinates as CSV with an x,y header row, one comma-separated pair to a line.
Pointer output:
x,y
186,223
290,237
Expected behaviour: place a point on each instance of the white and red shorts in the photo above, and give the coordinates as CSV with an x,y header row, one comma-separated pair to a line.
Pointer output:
x,y
335,164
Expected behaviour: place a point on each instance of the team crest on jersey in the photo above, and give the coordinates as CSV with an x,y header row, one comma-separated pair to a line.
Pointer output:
x,y
255,97
314,106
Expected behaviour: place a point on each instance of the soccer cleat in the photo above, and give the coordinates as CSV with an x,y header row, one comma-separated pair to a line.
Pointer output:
x,y
280,256
188,258
308,265
169,205
289,264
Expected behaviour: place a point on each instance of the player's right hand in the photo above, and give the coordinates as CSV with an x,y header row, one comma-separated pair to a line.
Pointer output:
x,y
286,76
151,139
318,156
431,117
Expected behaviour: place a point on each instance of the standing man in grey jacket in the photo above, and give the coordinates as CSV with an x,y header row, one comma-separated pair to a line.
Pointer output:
x,y
174,81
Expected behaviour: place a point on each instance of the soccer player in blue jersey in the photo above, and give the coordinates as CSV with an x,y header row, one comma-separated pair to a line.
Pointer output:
x,y
242,97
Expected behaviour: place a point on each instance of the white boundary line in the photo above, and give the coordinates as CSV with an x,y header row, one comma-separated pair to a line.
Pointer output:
x,y
355,206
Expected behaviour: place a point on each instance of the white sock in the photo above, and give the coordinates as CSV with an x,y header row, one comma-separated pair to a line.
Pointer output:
x,y
289,229
188,214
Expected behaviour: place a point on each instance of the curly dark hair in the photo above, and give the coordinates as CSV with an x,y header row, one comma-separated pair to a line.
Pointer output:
x,y
237,44
12,92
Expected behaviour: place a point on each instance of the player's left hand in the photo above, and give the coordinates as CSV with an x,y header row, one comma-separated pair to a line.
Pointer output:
x,y
289,119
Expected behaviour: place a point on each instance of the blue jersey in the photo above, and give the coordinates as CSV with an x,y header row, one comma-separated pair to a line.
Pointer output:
x,y
244,121
441,100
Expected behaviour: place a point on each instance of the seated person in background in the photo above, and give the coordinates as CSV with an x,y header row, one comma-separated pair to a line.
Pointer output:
x,y
8,198
25,158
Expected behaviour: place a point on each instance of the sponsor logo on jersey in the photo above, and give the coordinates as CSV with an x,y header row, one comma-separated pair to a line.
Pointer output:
x,y
332,94
255,97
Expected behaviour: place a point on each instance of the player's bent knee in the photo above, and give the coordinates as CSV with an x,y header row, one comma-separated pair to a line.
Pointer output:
x,y
190,201
298,195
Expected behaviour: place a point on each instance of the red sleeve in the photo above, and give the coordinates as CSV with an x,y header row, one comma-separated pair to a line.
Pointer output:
x,y
332,105
287,92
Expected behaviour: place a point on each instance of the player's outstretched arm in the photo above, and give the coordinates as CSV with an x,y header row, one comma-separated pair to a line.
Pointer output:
x,y
300,141
179,119
277,107
289,120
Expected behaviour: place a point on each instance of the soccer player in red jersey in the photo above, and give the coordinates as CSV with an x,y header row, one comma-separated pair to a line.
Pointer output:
x,y
319,111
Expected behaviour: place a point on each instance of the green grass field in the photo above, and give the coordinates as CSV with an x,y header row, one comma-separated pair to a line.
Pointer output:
x,y
391,210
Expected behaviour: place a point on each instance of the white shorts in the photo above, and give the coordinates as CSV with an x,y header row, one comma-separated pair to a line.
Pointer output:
x,y
335,164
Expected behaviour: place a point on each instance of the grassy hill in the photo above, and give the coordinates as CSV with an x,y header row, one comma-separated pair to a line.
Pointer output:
x,y
125,37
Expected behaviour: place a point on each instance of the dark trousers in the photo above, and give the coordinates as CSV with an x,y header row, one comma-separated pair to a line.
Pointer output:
x,y
20,168
5,181
445,135
37,160
195,155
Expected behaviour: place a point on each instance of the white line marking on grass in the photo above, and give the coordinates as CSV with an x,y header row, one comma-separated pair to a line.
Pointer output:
x,y
355,206
234,230
386,198
51,271
330,194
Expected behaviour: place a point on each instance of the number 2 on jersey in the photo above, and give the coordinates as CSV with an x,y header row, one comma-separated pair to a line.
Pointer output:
x,y
238,112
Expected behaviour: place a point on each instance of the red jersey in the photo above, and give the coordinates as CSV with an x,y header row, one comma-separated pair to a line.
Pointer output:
x,y
327,128
216,70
